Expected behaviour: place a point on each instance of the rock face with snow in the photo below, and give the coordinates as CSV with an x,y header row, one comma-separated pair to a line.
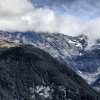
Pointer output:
x,y
73,51
29,73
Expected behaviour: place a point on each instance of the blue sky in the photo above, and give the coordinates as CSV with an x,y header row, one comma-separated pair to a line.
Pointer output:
x,y
82,9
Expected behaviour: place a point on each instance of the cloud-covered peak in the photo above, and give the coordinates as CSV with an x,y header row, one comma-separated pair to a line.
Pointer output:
x,y
24,15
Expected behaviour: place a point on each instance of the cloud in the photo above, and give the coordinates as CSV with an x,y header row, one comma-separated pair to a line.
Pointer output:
x,y
11,13
22,15
92,29
14,7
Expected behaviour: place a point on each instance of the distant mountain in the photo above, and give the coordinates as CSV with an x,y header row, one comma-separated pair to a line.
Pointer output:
x,y
29,73
75,52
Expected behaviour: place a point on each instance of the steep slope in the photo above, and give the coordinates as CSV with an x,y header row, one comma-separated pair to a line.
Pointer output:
x,y
89,64
28,73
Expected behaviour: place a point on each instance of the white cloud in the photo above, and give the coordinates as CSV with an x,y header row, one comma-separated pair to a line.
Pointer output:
x,y
15,7
21,15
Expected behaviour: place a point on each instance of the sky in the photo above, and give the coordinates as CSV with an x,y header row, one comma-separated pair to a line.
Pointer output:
x,y
70,17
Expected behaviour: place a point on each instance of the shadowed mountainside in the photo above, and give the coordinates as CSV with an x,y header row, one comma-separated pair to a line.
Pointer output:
x,y
29,73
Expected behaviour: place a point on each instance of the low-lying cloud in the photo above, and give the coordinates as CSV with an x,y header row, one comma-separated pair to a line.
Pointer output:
x,y
22,15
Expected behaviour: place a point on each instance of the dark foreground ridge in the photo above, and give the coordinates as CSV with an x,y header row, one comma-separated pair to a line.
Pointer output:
x,y
29,73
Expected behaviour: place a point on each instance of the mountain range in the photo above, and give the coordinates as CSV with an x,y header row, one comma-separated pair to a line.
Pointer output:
x,y
76,52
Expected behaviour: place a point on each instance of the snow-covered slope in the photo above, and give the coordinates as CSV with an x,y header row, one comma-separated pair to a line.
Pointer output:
x,y
70,50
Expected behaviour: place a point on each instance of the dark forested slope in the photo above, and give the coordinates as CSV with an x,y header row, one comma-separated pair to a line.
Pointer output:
x,y
29,73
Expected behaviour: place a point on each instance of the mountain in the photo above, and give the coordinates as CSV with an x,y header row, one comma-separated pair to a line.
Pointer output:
x,y
29,73
96,84
76,52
